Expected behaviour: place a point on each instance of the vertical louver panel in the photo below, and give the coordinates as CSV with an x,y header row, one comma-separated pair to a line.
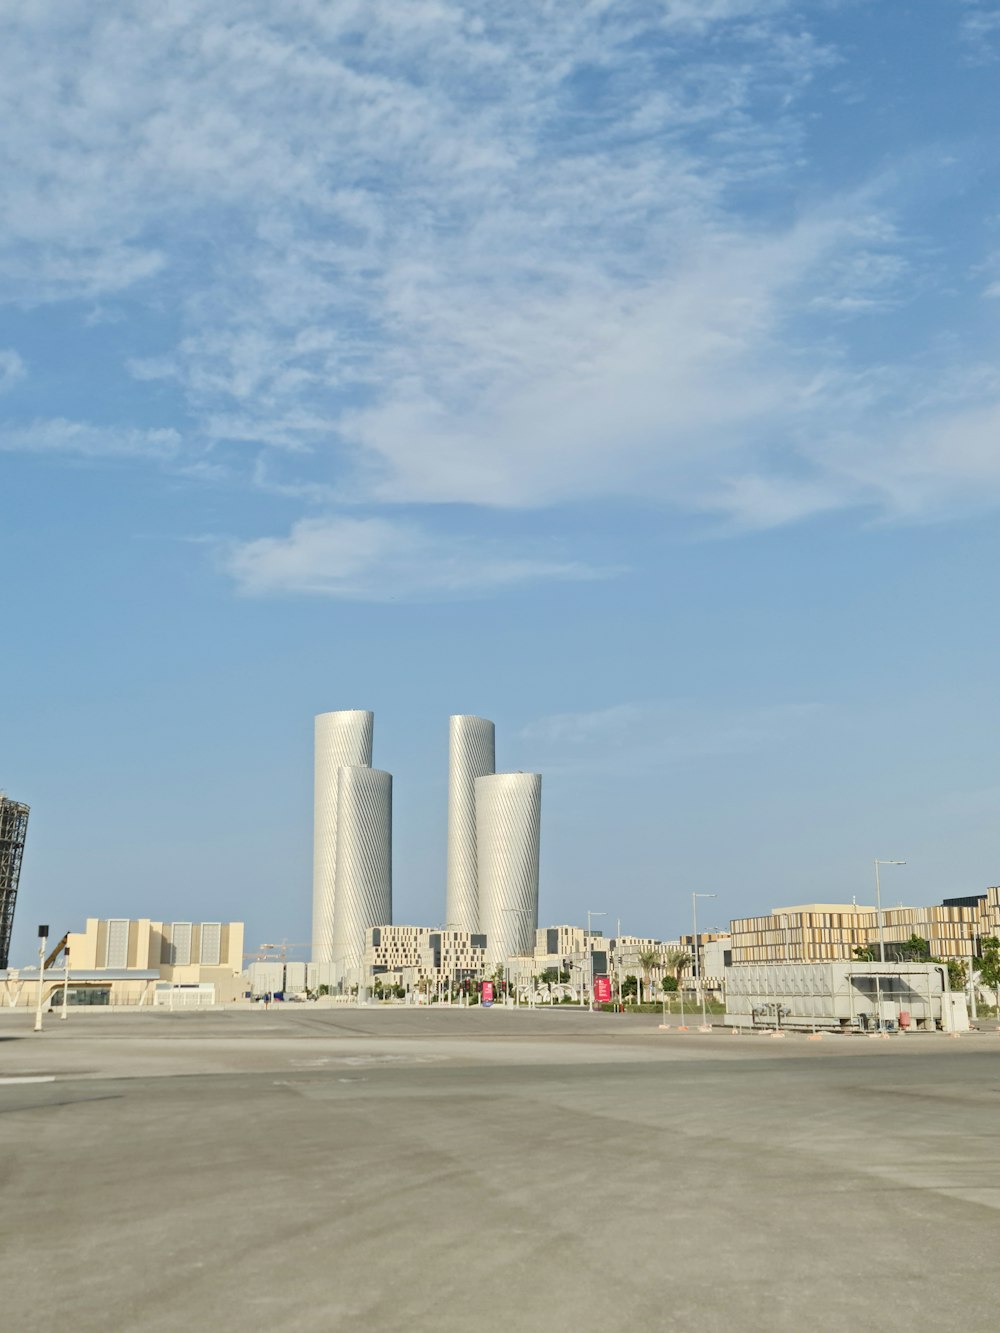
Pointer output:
x,y
117,951
211,943
180,943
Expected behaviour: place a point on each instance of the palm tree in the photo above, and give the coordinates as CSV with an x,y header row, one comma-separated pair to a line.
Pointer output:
x,y
677,961
648,959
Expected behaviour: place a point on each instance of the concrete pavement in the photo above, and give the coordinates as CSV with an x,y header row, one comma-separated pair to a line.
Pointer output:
x,y
444,1170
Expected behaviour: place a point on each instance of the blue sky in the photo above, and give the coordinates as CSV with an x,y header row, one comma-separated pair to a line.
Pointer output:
x,y
625,372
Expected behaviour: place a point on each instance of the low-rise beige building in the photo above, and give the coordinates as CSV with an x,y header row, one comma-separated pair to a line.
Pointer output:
x,y
831,932
409,954
137,962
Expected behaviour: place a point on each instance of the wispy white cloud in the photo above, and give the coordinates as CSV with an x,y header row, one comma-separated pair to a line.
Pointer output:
x,y
980,30
481,252
56,435
375,559
12,369
658,735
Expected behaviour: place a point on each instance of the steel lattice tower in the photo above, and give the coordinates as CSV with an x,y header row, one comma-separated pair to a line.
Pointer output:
x,y
13,830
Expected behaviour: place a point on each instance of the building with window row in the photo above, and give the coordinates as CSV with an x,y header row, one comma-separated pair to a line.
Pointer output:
x,y
138,962
831,932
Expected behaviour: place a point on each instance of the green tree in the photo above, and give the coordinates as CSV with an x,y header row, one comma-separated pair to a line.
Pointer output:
x,y
629,986
915,950
677,962
958,973
989,963
670,984
864,953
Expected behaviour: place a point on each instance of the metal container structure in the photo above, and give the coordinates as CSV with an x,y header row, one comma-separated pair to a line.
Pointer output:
x,y
842,996
341,739
508,827
363,895
13,831
471,755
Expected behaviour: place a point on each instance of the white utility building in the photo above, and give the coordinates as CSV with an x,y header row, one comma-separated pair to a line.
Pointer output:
x,y
471,755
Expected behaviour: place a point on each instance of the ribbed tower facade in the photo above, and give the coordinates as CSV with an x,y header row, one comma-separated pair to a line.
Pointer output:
x,y
363,896
342,739
508,827
471,755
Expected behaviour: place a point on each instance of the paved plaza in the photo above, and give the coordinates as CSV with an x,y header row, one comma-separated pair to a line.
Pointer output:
x,y
445,1170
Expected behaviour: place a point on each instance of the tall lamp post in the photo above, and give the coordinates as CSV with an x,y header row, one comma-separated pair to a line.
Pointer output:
x,y
43,940
878,905
699,988
881,931
65,982
590,954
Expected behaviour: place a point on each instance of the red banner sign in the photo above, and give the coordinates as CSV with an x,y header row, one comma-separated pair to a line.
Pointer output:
x,y
487,994
602,990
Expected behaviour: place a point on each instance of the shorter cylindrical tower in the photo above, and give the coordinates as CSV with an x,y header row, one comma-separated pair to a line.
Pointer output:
x,y
471,755
363,895
341,738
508,828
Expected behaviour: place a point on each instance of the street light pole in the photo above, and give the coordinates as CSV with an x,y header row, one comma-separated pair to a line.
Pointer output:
x,y
878,905
43,940
881,932
698,986
65,983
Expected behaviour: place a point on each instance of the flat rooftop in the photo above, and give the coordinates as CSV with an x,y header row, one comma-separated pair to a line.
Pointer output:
x,y
446,1169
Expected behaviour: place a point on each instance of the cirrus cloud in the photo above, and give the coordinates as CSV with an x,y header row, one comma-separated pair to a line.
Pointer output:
x,y
375,559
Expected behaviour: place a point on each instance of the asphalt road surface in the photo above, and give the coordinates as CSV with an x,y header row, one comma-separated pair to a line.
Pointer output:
x,y
467,1169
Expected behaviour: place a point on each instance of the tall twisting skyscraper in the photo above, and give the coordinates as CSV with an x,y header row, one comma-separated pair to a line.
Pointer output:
x,y
364,863
472,754
342,739
508,826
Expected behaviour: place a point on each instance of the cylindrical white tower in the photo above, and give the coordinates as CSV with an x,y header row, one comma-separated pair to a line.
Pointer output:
x,y
508,825
363,895
471,755
342,739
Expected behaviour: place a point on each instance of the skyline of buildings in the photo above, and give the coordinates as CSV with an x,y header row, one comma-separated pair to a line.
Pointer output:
x,y
493,842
